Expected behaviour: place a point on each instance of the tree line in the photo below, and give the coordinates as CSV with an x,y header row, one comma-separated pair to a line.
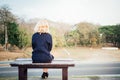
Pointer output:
x,y
111,34
90,35
16,31
10,32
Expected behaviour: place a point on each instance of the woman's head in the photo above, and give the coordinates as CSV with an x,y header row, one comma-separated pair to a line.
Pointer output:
x,y
42,27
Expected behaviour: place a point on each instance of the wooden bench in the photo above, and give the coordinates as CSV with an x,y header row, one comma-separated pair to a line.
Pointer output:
x,y
22,68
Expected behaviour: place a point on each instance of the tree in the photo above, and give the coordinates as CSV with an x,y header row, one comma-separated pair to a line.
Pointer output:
x,y
95,38
111,33
116,36
5,17
86,32
13,33
23,39
72,38
58,39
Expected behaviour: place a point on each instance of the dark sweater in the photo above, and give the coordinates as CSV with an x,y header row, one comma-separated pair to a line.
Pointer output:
x,y
41,45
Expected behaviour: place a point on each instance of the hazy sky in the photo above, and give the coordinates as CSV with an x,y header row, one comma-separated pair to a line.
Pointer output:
x,y
102,12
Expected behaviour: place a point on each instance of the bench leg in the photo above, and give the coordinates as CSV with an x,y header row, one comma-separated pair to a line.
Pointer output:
x,y
22,73
64,73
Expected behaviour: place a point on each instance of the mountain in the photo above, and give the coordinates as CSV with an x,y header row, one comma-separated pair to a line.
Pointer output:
x,y
59,26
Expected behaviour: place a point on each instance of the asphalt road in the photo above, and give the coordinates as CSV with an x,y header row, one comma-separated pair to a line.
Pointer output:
x,y
90,71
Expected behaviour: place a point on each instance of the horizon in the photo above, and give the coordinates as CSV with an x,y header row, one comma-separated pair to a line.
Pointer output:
x,y
103,12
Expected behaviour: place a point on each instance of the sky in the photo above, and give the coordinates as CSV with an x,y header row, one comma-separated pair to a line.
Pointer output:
x,y
103,12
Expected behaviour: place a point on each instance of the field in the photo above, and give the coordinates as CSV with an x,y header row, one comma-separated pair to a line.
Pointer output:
x,y
76,53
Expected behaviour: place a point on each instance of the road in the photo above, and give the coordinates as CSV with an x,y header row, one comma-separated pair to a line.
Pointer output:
x,y
100,71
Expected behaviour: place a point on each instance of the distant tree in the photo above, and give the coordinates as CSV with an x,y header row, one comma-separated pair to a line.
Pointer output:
x,y
72,38
83,34
13,33
26,29
58,39
117,35
86,32
5,17
111,34
16,36
94,37
23,39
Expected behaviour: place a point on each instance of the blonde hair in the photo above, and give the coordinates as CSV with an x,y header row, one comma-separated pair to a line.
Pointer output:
x,y
42,27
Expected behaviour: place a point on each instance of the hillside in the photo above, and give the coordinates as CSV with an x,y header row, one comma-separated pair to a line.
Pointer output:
x,y
60,26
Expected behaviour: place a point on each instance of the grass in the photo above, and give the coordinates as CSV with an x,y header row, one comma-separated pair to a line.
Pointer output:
x,y
77,53
83,53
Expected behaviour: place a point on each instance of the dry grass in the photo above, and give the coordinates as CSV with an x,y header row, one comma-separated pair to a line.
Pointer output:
x,y
77,53
87,54
6,55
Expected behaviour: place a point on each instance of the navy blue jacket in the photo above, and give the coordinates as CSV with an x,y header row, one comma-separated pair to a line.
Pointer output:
x,y
41,45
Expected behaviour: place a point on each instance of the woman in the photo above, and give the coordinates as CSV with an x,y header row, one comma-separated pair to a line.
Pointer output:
x,y
42,45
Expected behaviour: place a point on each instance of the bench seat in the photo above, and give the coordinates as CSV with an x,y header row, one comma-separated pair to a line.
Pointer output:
x,y
22,68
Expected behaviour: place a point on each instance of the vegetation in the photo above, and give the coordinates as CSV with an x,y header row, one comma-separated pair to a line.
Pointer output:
x,y
17,32
5,18
111,34
85,34
11,35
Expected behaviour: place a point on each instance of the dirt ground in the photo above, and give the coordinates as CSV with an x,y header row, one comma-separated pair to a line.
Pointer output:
x,y
6,55
77,53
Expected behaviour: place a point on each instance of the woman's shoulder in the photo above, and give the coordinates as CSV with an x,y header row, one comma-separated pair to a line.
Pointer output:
x,y
35,34
48,34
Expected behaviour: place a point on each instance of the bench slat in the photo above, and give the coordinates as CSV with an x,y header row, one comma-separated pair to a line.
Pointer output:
x,y
42,65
